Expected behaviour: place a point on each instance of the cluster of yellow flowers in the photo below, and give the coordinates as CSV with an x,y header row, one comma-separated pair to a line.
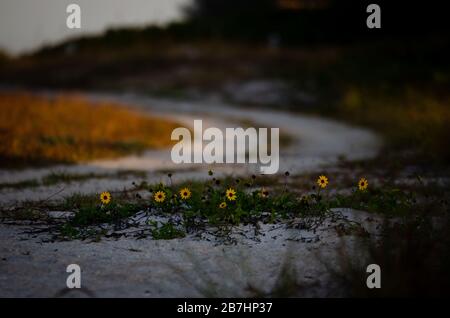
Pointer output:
x,y
160,196
322,181
230,194
185,194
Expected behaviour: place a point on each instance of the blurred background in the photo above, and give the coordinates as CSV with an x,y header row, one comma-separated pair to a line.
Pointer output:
x,y
309,56
90,110
28,25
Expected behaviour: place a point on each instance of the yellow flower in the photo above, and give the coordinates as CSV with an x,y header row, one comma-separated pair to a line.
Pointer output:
x,y
185,193
322,182
159,196
223,205
231,194
264,193
105,197
363,184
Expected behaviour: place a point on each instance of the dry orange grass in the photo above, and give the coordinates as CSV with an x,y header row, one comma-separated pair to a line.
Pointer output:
x,y
67,128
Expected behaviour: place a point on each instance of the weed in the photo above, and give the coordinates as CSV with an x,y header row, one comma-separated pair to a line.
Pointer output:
x,y
165,231
388,200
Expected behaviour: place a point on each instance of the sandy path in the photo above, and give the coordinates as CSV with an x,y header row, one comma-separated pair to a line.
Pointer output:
x,y
174,268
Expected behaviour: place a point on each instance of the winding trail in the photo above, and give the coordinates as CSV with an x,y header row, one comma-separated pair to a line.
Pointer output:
x,y
315,143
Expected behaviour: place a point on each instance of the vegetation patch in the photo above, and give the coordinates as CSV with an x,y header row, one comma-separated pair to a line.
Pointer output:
x,y
69,129
175,210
